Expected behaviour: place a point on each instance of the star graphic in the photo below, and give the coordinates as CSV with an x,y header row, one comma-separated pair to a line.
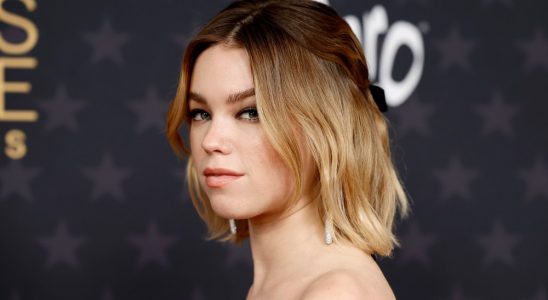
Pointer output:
x,y
61,111
107,178
152,246
457,294
182,39
107,295
455,179
150,110
16,180
498,245
497,115
197,294
535,51
237,254
15,296
536,179
508,3
61,246
413,116
415,245
540,295
107,44
455,50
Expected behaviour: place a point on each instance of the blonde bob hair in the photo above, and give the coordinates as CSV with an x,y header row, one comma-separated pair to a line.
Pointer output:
x,y
311,81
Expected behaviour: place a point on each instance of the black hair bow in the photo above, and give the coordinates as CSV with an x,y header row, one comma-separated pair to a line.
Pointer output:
x,y
378,95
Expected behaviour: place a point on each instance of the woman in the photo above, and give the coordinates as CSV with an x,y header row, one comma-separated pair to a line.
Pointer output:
x,y
289,149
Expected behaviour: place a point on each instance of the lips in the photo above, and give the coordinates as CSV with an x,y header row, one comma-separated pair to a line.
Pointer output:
x,y
219,177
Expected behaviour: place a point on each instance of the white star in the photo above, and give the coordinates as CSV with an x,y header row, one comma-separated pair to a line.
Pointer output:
x,y
15,179
455,50
107,44
536,179
415,245
107,178
61,246
61,110
150,110
535,50
455,179
497,115
498,245
152,245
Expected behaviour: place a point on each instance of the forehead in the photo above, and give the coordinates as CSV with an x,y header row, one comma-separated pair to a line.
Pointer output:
x,y
221,70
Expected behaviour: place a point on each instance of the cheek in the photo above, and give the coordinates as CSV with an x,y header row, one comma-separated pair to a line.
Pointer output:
x,y
197,155
272,175
192,138
195,140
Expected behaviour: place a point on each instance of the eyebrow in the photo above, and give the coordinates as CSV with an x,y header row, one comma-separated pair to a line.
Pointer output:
x,y
232,98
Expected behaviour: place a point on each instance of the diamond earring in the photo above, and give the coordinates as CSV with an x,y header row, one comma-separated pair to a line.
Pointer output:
x,y
232,225
328,235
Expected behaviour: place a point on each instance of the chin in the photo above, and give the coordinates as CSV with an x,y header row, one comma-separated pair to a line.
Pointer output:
x,y
229,209
234,215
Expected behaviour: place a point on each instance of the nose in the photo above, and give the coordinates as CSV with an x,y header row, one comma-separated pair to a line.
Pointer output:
x,y
216,139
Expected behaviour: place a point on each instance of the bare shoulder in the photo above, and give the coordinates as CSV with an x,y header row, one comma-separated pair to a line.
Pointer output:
x,y
347,284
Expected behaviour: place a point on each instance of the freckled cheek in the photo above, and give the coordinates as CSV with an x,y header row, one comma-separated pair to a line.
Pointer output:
x,y
195,137
196,151
273,170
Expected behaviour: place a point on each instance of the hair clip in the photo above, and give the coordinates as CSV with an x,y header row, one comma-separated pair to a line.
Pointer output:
x,y
378,95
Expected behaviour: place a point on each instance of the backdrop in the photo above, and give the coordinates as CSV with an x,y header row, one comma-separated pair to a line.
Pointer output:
x,y
93,203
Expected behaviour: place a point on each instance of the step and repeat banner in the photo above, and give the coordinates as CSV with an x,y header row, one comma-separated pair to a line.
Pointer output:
x,y
93,203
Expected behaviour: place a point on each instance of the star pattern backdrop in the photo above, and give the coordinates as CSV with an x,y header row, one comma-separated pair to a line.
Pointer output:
x,y
98,208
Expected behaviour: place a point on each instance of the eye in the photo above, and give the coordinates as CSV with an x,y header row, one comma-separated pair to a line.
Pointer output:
x,y
198,115
249,113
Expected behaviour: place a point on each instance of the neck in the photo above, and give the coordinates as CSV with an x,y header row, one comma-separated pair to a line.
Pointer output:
x,y
281,246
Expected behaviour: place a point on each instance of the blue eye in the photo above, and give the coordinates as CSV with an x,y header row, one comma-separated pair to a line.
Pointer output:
x,y
198,115
249,113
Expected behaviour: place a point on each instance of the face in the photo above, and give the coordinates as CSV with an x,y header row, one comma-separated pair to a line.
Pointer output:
x,y
237,167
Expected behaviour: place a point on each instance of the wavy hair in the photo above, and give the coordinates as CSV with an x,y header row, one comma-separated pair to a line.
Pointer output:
x,y
311,80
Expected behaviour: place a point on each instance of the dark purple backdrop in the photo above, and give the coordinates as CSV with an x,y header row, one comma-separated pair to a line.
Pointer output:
x,y
97,208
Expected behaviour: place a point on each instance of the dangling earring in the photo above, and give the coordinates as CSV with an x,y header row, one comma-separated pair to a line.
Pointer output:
x,y
232,225
328,235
